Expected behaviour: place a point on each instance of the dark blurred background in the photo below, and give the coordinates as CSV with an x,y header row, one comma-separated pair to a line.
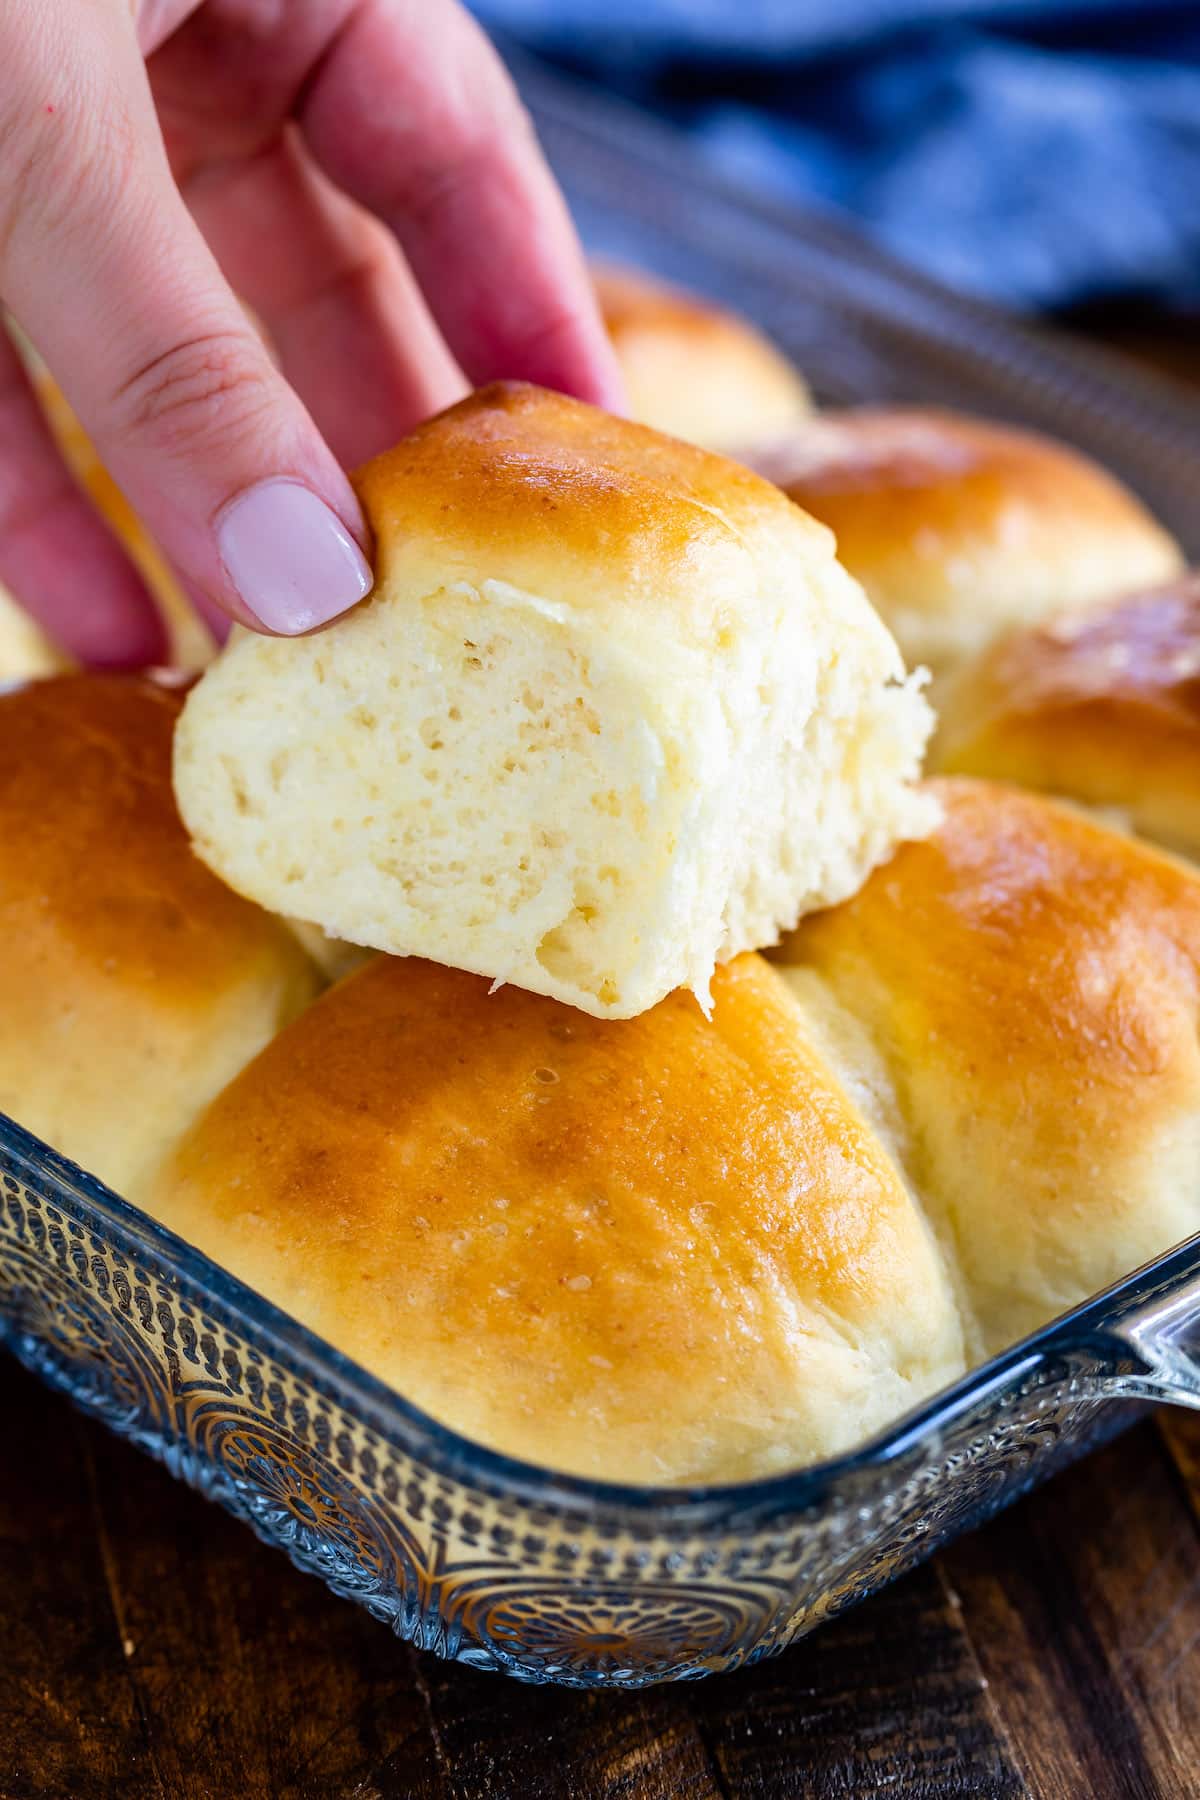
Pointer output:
x,y
1046,156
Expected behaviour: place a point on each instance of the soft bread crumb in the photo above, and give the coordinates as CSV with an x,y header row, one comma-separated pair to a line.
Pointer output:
x,y
613,714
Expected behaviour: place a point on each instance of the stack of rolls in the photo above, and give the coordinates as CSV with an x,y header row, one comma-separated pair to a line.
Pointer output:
x,y
1055,614
709,1249
566,1160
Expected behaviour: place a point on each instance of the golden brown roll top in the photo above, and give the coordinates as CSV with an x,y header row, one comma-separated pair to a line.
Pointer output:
x,y
661,1249
1019,998
133,985
1102,707
612,677
693,369
960,529
669,1248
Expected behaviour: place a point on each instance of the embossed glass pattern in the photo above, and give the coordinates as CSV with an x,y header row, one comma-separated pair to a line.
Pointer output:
x,y
507,1566
465,1552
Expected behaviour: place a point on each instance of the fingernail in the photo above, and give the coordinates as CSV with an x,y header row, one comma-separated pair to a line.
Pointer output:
x,y
292,561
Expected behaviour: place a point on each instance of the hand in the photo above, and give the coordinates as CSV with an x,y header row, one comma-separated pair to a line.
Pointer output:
x,y
356,170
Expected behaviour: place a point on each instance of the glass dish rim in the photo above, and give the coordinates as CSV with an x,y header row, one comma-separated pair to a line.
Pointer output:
x,y
453,1456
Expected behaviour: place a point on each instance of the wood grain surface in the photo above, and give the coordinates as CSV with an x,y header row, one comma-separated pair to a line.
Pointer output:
x,y
152,1649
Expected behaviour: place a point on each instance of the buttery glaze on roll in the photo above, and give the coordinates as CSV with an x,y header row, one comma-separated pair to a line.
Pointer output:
x,y
658,1250
693,369
1023,992
612,714
960,529
133,985
1103,708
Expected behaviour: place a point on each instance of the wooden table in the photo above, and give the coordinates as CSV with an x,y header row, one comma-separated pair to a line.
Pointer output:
x,y
151,1647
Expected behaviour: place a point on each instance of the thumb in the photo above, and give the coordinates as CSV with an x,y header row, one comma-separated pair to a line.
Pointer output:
x,y
102,265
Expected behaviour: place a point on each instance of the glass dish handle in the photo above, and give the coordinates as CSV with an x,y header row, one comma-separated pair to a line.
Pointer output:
x,y
1160,1333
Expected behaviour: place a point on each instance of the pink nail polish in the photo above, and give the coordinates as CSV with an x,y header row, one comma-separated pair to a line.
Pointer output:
x,y
289,556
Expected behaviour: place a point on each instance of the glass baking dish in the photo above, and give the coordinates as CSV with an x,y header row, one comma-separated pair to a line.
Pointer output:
x,y
465,1552
500,1564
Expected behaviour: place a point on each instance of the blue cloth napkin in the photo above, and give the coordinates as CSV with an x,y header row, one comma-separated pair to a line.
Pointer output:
x,y
1045,155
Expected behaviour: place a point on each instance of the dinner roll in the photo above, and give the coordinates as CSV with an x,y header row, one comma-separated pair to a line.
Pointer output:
x,y
694,370
1027,982
1103,707
659,1250
612,714
25,650
133,985
960,529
